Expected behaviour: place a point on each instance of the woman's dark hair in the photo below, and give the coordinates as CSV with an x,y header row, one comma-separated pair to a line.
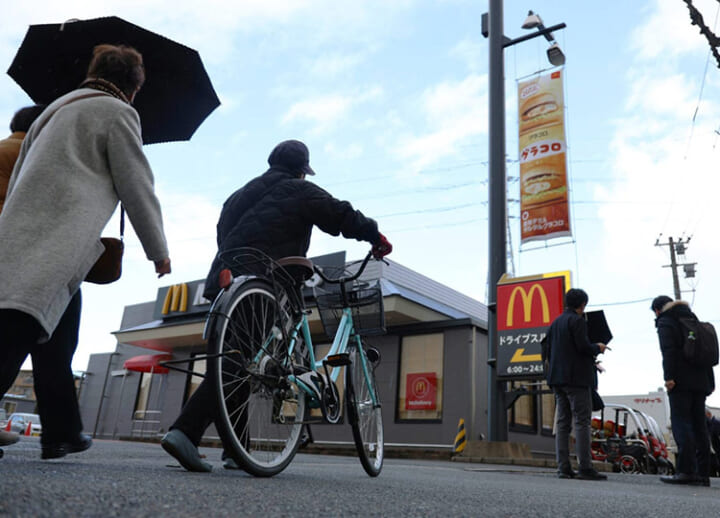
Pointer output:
x,y
24,117
659,302
574,298
119,64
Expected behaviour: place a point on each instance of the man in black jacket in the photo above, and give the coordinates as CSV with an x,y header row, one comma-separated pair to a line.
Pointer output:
x,y
274,213
687,386
571,374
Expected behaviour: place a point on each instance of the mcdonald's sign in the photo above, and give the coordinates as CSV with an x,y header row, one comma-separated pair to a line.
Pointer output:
x,y
176,299
421,391
525,309
529,304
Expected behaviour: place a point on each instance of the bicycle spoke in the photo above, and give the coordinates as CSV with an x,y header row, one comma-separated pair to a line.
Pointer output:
x,y
261,413
366,415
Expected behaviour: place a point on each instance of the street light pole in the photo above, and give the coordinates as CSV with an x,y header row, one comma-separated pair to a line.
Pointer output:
x,y
497,211
497,197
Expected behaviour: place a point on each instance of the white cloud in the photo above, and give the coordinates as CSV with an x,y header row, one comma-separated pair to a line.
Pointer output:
x,y
325,111
472,53
322,111
662,95
334,64
454,111
350,151
668,32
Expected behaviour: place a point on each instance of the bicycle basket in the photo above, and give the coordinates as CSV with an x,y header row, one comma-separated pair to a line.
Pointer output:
x,y
365,303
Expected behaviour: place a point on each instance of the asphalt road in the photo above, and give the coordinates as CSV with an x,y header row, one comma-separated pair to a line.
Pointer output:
x,y
126,479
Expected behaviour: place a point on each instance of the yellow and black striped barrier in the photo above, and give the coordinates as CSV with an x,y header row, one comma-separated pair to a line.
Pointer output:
x,y
460,438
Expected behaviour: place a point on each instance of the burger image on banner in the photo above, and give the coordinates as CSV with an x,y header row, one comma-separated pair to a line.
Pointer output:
x,y
543,180
539,110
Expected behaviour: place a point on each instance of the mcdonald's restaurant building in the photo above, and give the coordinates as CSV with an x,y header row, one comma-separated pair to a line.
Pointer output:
x,y
432,374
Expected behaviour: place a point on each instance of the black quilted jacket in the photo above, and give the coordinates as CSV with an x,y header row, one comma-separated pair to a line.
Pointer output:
x,y
687,377
276,212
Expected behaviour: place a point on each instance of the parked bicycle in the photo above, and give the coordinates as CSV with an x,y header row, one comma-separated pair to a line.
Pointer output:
x,y
261,360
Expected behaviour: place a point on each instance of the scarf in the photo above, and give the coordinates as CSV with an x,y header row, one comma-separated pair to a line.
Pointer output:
x,y
97,83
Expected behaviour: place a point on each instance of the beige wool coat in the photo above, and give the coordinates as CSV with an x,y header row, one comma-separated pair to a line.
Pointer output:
x,y
65,186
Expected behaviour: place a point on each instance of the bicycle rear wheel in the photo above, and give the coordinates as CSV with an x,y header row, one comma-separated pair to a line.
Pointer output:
x,y
260,414
364,414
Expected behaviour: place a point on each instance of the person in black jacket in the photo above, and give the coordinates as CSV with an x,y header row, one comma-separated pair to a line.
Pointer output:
x,y
687,385
274,213
571,375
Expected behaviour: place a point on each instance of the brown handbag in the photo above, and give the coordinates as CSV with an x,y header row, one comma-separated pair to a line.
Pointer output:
x,y
108,267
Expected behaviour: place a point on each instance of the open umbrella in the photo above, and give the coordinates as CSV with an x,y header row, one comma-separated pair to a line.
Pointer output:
x,y
176,97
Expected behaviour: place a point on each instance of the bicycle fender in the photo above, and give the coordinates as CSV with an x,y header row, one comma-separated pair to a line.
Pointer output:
x,y
217,309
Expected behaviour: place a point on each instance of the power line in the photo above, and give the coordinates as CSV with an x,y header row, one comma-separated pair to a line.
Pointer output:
x,y
620,303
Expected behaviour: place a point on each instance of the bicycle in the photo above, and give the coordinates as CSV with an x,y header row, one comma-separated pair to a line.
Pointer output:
x,y
261,361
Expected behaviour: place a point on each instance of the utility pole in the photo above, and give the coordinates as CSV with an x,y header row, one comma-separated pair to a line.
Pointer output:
x,y
677,248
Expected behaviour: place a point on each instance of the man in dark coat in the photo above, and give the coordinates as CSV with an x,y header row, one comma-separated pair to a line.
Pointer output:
x,y
274,213
571,375
687,385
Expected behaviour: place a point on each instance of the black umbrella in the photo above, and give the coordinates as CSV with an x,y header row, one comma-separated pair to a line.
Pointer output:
x,y
176,97
598,329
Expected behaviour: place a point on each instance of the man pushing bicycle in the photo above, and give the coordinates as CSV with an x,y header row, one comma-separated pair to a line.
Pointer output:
x,y
274,213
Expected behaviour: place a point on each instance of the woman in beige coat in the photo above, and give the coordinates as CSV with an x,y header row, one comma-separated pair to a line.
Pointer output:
x,y
79,159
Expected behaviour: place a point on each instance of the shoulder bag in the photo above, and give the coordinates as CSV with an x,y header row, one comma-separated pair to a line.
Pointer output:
x,y
108,267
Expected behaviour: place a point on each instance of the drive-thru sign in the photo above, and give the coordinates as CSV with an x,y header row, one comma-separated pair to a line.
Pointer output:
x,y
525,308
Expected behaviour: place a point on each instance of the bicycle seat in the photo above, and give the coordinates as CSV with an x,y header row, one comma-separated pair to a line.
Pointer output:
x,y
299,268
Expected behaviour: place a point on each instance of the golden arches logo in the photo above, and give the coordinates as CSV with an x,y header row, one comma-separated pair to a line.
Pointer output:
x,y
176,299
527,298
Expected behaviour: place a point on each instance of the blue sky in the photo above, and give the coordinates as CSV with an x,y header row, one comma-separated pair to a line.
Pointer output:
x,y
391,98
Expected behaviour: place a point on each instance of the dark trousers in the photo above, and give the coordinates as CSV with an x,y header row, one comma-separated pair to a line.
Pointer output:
x,y
198,413
201,410
573,405
687,415
52,371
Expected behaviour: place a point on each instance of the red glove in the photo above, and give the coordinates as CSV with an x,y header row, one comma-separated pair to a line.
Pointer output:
x,y
381,248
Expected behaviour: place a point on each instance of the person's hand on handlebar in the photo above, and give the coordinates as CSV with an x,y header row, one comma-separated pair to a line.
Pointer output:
x,y
381,248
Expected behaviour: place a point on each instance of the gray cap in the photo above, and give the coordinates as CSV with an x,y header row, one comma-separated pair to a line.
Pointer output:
x,y
292,155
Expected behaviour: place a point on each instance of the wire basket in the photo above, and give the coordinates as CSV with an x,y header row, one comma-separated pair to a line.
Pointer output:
x,y
365,303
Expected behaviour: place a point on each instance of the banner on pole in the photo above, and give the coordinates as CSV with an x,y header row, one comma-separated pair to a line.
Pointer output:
x,y
544,209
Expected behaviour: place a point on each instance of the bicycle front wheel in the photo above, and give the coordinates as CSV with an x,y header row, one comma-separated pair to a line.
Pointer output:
x,y
364,411
260,414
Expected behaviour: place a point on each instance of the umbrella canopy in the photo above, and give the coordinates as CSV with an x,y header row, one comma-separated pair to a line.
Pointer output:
x,y
598,329
177,95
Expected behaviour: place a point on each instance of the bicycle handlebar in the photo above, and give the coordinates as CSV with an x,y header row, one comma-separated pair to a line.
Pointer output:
x,y
343,280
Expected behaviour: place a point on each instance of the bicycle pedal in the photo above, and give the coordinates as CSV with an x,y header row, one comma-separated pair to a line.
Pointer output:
x,y
338,360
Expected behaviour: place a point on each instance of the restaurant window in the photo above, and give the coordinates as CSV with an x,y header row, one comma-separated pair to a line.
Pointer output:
x,y
420,388
141,402
547,410
523,416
